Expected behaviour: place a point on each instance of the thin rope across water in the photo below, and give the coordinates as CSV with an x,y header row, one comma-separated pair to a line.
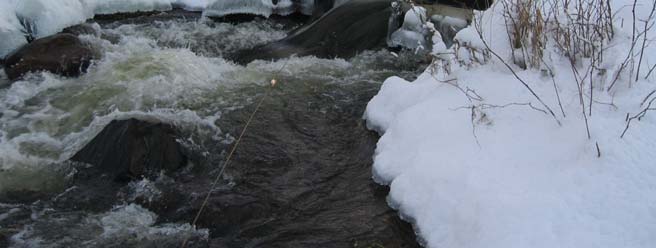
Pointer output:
x,y
232,152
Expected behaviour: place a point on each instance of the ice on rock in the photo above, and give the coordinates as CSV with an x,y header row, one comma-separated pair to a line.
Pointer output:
x,y
408,39
414,19
412,33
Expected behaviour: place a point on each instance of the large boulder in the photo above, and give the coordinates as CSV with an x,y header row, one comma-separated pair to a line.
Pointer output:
x,y
63,54
344,31
131,149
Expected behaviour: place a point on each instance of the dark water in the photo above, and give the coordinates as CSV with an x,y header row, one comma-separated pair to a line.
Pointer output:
x,y
300,178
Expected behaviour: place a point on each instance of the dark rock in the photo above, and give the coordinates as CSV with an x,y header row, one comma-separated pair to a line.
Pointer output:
x,y
4,239
125,15
467,4
83,29
321,7
344,31
287,22
146,17
129,149
62,54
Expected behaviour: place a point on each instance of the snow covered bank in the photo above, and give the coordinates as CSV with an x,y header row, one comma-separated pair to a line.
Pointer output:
x,y
46,17
473,159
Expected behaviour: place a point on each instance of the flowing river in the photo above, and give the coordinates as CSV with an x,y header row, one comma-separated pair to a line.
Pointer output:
x,y
300,178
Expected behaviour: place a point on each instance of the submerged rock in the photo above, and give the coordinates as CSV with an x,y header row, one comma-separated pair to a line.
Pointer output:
x,y
352,27
132,148
63,54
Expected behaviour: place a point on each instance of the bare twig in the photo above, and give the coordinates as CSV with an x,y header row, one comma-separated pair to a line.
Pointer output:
x,y
650,71
647,97
639,116
488,106
553,80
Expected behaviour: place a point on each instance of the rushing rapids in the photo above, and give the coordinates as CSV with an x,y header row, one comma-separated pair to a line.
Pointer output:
x,y
301,177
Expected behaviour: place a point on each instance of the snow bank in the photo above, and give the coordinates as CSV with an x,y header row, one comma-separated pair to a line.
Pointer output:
x,y
531,183
506,174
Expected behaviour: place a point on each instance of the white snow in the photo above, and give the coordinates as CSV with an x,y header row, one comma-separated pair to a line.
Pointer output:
x,y
10,30
505,174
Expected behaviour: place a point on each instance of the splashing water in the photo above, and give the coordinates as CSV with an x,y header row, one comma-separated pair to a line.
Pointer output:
x,y
172,71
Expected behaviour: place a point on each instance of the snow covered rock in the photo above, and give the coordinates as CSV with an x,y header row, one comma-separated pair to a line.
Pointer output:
x,y
412,34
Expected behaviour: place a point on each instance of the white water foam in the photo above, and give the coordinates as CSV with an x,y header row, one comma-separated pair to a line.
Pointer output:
x,y
125,225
